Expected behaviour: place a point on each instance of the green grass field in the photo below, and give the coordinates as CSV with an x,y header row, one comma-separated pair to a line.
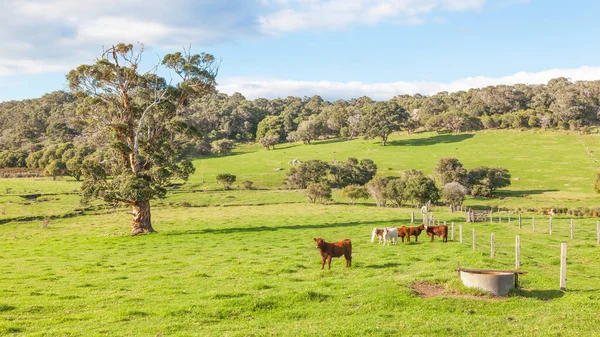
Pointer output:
x,y
244,263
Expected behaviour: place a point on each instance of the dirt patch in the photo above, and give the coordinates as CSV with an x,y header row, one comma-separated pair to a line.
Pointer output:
x,y
428,290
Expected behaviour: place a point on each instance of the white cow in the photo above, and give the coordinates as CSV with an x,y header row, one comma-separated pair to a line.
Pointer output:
x,y
377,232
390,235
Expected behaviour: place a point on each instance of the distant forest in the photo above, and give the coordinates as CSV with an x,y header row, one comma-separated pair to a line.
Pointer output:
x,y
36,133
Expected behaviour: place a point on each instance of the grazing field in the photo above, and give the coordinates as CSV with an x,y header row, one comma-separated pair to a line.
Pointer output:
x,y
244,263
243,270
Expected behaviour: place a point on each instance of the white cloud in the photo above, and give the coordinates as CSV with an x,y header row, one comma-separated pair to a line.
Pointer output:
x,y
46,35
295,15
273,88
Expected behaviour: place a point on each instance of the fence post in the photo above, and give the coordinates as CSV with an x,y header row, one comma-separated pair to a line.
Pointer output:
x,y
412,217
572,230
460,233
520,222
499,216
492,245
533,222
563,266
517,252
509,218
491,220
452,232
550,225
474,240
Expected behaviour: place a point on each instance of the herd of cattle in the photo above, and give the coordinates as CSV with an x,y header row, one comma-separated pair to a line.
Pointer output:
x,y
388,235
391,234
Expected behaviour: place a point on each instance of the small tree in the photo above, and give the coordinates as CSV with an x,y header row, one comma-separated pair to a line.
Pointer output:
x,y
221,147
448,170
454,193
247,184
376,188
307,172
354,192
55,168
269,141
320,192
395,190
227,179
491,178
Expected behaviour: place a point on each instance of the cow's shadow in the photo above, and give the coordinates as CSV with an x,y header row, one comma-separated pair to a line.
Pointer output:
x,y
384,266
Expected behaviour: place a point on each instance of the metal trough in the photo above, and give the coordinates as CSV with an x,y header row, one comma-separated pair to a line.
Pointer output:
x,y
497,282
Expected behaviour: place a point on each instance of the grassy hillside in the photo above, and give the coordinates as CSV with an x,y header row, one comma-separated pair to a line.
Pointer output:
x,y
548,169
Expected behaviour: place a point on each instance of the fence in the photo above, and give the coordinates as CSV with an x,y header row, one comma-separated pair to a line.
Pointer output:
x,y
528,239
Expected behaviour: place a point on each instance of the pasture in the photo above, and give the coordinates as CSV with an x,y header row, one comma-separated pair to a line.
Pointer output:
x,y
244,263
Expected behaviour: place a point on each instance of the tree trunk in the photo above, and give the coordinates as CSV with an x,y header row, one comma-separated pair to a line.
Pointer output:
x,y
141,218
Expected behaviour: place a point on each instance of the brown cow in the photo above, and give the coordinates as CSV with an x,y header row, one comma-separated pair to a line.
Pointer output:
x,y
416,231
441,230
403,232
334,249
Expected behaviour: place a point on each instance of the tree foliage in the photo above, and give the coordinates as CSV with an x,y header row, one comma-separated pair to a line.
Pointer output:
x,y
318,192
144,120
227,179
354,192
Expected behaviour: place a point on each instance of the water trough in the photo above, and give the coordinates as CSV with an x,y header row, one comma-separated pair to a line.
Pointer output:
x,y
497,282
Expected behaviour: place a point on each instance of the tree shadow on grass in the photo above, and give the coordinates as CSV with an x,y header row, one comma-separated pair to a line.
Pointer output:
x,y
229,230
438,139
543,295
520,193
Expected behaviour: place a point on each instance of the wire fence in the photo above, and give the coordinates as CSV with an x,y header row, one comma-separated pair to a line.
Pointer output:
x,y
538,238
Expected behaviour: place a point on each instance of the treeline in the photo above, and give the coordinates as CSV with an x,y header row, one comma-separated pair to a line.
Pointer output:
x,y
216,121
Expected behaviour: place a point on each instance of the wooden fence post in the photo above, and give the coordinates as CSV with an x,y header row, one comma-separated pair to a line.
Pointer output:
x,y
460,233
452,232
499,216
492,245
474,240
509,218
533,223
517,252
491,216
563,266
412,217
550,226
572,230
520,222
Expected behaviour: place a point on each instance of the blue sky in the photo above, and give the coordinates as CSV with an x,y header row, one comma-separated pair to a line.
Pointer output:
x,y
334,48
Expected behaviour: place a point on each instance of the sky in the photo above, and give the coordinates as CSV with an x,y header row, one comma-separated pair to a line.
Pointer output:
x,y
338,49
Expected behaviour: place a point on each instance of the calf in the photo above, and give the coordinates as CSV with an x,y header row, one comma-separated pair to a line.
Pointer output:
x,y
403,232
377,232
334,249
416,231
441,230
390,235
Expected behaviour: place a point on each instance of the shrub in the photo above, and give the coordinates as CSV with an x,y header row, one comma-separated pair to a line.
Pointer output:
x,y
320,192
354,192
247,184
376,188
481,191
221,147
454,193
227,179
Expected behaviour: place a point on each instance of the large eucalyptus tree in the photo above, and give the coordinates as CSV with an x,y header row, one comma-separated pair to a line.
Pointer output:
x,y
145,118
